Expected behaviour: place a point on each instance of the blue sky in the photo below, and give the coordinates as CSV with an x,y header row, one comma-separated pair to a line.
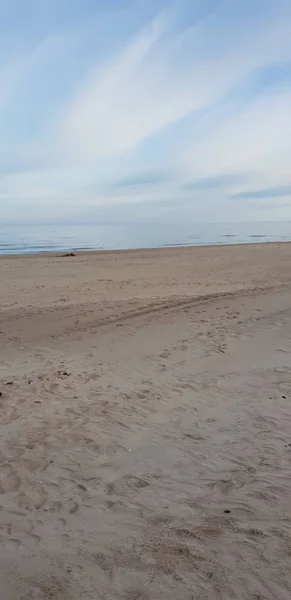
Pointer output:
x,y
145,111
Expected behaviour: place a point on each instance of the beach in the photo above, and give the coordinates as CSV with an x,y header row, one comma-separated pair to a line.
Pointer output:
x,y
146,424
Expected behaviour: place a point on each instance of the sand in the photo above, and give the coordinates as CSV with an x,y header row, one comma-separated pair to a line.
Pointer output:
x,y
145,425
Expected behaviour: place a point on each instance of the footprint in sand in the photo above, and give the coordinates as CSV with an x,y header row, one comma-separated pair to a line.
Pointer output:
x,y
127,484
165,354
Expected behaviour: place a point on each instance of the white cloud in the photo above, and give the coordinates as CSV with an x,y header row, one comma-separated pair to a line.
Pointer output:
x,y
163,75
113,113
256,141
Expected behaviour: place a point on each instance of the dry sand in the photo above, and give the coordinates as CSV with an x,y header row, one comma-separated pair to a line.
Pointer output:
x,y
146,425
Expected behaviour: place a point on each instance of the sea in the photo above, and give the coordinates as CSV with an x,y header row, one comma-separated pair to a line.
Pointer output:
x,y
24,239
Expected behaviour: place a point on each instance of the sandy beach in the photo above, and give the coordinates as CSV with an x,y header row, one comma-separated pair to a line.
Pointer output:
x,y
146,425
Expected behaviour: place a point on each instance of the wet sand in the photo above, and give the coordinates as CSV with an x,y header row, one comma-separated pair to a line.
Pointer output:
x,y
146,425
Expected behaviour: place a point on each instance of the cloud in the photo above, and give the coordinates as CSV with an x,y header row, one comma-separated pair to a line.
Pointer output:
x,y
141,179
257,140
178,113
276,192
114,112
165,74
215,182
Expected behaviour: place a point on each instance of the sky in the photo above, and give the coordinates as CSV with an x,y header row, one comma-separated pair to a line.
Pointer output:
x,y
144,111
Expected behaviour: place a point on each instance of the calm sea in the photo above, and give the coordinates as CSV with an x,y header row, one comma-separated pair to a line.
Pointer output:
x,y
26,239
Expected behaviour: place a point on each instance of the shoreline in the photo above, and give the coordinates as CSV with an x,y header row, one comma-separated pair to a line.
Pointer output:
x,y
88,251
